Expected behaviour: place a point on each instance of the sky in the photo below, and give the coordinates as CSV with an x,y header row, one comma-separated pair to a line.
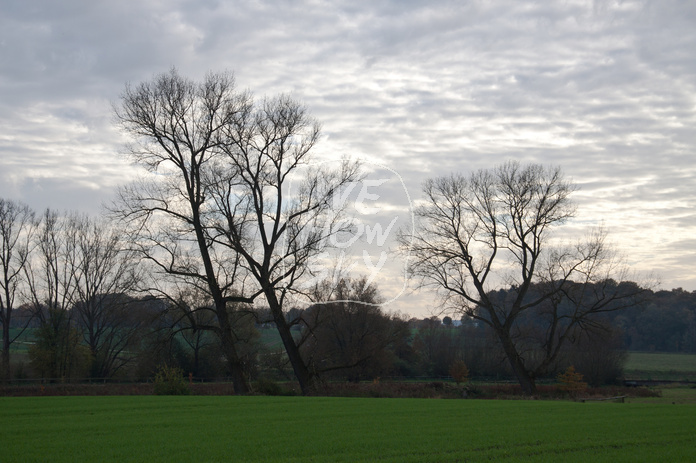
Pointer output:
x,y
606,90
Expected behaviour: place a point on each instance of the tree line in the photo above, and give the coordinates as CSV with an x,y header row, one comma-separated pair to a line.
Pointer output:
x,y
211,231
666,322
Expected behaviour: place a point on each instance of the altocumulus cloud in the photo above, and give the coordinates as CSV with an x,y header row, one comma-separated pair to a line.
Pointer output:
x,y
605,89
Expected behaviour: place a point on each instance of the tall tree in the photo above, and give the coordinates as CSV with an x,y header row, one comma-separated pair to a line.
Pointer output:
x,y
51,280
16,225
179,128
106,275
276,232
52,287
493,229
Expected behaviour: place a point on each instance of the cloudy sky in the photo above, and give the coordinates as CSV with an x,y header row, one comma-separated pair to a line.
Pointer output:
x,y
604,89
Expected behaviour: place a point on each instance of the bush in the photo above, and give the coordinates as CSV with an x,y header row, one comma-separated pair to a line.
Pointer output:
x,y
170,381
459,371
571,381
265,386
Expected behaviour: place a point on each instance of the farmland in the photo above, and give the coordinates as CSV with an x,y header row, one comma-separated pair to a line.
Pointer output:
x,y
299,429
661,366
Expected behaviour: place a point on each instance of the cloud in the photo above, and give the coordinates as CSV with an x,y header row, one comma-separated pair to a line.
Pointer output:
x,y
604,89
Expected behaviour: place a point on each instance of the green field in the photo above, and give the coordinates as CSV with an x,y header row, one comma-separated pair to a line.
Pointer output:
x,y
661,366
304,429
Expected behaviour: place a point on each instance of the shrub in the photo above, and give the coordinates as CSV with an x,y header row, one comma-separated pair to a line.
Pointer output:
x,y
170,381
266,386
459,371
571,381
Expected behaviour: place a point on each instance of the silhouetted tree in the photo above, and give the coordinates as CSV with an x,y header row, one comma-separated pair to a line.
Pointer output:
x,y
16,225
179,128
349,335
276,233
52,287
493,229
105,273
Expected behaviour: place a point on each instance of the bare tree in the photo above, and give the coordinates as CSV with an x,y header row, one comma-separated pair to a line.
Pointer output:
x,y
349,335
493,229
105,275
52,289
275,233
16,225
51,280
179,130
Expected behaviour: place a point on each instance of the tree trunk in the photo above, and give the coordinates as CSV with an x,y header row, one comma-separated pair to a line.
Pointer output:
x,y
6,374
302,373
239,378
196,351
524,377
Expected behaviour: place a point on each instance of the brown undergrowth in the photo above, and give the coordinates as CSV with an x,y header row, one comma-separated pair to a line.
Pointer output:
x,y
386,389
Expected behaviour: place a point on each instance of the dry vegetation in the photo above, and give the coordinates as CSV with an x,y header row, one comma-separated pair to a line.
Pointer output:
x,y
387,389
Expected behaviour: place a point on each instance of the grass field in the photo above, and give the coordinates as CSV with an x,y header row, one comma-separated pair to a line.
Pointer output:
x,y
661,366
298,429
669,394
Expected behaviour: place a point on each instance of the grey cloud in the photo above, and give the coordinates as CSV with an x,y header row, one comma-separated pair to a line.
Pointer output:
x,y
605,89
59,194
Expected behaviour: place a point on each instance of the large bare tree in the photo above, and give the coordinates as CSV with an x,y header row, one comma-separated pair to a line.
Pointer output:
x,y
16,225
493,229
179,128
276,230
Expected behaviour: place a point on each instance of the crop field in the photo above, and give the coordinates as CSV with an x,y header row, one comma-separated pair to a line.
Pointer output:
x,y
669,394
661,366
304,429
